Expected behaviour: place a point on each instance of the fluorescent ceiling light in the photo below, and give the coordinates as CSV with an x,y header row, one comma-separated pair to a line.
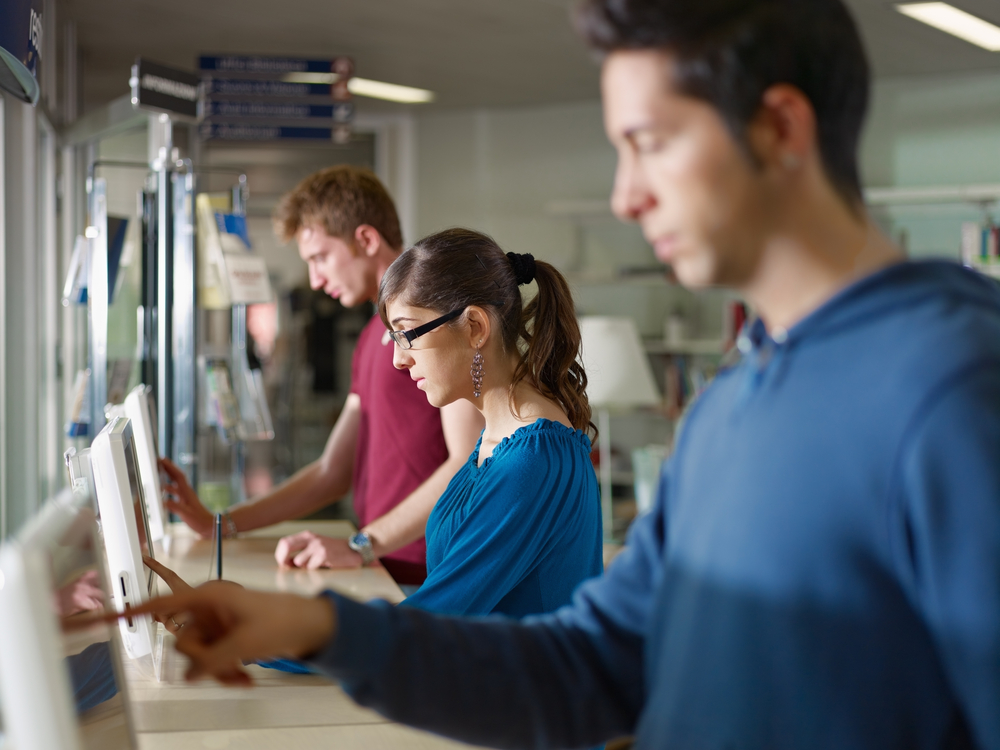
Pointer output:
x,y
364,87
391,91
957,22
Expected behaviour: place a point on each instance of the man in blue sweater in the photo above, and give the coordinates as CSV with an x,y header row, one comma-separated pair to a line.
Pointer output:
x,y
822,566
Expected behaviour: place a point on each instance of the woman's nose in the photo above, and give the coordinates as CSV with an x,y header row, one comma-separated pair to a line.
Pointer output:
x,y
400,359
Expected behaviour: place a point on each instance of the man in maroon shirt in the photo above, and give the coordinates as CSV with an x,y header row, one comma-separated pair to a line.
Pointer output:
x,y
397,451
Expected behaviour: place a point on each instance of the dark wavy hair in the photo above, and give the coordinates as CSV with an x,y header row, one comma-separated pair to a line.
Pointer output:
x,y
729,52
457,268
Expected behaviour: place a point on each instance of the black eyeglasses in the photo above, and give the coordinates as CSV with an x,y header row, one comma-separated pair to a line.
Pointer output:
x,y
404,339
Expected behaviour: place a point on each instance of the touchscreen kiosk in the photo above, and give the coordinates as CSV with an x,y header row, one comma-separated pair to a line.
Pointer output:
x,y
126,530
140,410
59,689
81,476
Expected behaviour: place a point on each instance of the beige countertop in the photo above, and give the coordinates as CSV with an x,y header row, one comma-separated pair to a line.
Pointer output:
x,y
283,710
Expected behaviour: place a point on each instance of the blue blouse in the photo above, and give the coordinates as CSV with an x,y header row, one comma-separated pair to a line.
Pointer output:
x,y
518,534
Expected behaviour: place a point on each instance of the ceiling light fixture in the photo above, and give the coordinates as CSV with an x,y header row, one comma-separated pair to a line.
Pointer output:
x,y
956,22
392,92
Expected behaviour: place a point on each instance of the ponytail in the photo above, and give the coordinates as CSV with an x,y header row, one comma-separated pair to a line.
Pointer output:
x,y
550,362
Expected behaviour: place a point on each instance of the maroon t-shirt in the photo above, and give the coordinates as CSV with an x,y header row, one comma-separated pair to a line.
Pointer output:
x,y
400,440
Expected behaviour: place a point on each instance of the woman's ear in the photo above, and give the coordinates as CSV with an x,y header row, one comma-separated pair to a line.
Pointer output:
x,y
480,326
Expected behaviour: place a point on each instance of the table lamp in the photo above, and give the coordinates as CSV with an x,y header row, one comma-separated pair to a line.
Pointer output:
x,y
618,378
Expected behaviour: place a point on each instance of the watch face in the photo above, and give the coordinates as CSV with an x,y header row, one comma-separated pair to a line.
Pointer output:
x,y
362,544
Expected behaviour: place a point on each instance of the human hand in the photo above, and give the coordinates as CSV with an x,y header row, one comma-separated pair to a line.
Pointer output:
x,y
82,595
181,499
312,551
227,626
177,585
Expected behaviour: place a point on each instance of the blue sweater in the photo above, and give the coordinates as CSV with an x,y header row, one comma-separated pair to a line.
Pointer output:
x,y
821,568
518,534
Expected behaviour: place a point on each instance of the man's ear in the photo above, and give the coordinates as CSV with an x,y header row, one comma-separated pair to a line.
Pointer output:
x,y
480,326
783,133
368,239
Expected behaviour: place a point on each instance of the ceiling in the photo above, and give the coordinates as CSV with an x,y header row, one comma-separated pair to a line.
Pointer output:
x,y
473,53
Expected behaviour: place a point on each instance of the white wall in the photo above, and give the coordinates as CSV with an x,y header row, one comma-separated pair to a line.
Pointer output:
x,y
933,131
500,170
21,483
496,170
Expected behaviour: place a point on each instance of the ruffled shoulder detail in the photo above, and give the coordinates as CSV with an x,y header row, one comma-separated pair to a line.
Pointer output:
x,y
540,427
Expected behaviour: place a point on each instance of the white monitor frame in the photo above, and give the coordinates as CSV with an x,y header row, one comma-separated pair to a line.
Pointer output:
x,y
132,583
35,688
138,408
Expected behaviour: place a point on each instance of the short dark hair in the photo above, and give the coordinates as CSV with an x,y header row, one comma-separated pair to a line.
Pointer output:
x,y
339,199
729,52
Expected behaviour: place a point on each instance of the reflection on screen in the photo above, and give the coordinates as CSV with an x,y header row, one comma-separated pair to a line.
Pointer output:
x,y
151,404
91,656
139,504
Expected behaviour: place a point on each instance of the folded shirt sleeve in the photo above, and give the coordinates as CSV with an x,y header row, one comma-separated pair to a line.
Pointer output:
x,y
949,538
572,678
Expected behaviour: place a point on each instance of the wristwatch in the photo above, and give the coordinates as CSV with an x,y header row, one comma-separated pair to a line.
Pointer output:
x,y
362,544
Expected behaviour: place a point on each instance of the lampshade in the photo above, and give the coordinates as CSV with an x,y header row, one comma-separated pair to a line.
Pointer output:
x,y
618,372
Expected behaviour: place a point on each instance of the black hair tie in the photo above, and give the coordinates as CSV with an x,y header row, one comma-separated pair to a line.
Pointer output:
x,y
524,267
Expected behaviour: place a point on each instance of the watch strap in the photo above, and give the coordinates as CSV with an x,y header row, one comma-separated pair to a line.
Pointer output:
x,y
229,530
361,543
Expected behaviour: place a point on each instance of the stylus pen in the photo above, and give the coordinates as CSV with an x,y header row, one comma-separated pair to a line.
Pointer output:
x,y
218,545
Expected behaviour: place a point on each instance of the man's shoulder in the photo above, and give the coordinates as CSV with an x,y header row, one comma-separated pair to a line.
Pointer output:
x,y
922,315
956,319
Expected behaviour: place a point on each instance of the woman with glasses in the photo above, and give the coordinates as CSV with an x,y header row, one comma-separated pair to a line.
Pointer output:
x,y
519,526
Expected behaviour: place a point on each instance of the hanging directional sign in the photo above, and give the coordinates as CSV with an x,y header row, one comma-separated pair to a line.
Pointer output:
x,y
164,89
252,87
224,131
274,65
339,112
20,47
255,98
341,68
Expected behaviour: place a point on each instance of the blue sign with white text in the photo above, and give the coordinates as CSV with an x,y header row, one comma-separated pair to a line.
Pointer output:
x,y
341,112
274,65
250,87
20,47
235,132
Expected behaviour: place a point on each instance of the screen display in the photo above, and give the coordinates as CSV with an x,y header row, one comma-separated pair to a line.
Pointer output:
x,y
92,657
151,408
139,504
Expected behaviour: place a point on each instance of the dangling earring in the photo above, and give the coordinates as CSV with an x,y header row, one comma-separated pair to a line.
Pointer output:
x,y
477,374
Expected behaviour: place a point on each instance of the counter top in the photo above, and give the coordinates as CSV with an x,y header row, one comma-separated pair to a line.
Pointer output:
x,y
283,710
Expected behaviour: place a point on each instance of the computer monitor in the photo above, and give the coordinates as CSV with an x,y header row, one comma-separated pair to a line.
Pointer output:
x,y
81,475
59,689
126,531
140,410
